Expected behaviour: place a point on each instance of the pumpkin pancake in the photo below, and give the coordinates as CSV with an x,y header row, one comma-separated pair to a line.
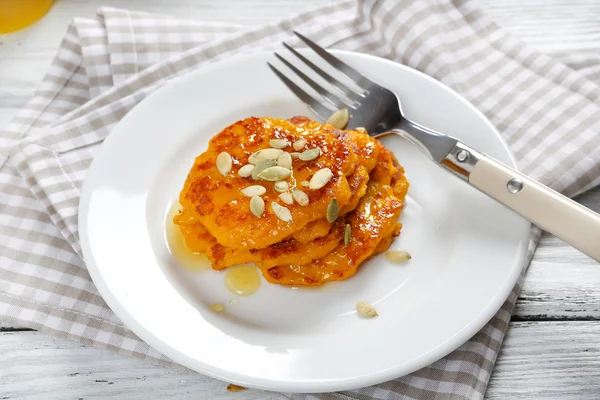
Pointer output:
x,y
373,223
217,202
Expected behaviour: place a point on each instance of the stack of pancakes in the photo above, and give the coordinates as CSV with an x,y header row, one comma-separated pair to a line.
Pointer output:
x,y
368,184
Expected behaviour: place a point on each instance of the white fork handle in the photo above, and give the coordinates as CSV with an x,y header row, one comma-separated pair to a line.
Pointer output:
x,y
546,208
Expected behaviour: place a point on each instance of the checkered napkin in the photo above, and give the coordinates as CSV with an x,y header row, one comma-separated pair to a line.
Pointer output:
x,y
547,110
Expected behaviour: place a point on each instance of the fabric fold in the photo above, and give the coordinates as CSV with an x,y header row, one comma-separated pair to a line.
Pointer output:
x,y
547,111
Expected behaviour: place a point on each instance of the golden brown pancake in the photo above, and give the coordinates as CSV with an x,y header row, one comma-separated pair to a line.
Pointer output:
x,y
368,183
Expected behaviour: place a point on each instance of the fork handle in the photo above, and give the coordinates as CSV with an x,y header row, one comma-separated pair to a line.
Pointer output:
x,y
544,207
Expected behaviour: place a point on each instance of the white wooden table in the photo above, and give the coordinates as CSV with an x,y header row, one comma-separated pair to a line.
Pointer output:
x,y
553,345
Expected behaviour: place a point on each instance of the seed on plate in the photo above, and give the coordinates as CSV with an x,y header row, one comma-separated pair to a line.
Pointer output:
x,y
265,154
287,198
281,186
254,190
295,155
300,197
274,173
260,166
320,178
235,388
224,163
246,170
279,143
366,310
347,234
361,130
305,183
285,160
281,212
310,154
299,144
233,302
339,119
397,256
217,307
257,206
332,210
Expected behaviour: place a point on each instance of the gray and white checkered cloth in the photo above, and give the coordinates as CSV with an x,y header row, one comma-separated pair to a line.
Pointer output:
x,y
547,110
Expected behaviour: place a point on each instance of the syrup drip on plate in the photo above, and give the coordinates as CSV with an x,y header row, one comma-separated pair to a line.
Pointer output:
x,y
177,247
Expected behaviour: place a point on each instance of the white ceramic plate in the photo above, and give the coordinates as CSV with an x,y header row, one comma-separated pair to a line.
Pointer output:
x,y
467,250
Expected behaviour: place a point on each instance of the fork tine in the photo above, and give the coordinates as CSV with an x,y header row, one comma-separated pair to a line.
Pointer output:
x,y
319,89
343,88
321,110
347,70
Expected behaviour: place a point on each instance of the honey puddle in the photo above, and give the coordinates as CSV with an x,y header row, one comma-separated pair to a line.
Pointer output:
x,y
242,279
187,259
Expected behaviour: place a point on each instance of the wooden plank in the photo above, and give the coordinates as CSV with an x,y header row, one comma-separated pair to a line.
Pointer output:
x,y
561,283
43,367
551,360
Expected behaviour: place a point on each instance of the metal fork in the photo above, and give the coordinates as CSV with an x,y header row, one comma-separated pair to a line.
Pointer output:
x,y
379,111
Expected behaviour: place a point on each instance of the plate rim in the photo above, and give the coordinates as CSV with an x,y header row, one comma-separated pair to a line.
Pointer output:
x,y
265,384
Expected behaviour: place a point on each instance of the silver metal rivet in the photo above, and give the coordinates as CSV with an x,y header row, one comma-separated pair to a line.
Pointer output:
x,y
515,185
462,156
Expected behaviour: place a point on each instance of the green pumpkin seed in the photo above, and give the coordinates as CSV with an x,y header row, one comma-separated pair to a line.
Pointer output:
x,y
310,154
281,212
261,166
347,234
285,160
257,206
366,310
286,198
398,256
224,163
281,186
332,210
278,143
300,197
265,154
299,144
246,170
254,190
339,119
320,178
274,174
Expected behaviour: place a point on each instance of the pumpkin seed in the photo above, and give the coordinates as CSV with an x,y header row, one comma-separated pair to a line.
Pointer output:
x,y
320,178
281,186
366,310
305,183
285,160
217,307
254,190
257,206
235,388
274,173
261,166
332,210
299,144
347,234
339,119
300,197
397,256
286,198
295,155
310,154
281,212
265,154
278,143
224,163
246,170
